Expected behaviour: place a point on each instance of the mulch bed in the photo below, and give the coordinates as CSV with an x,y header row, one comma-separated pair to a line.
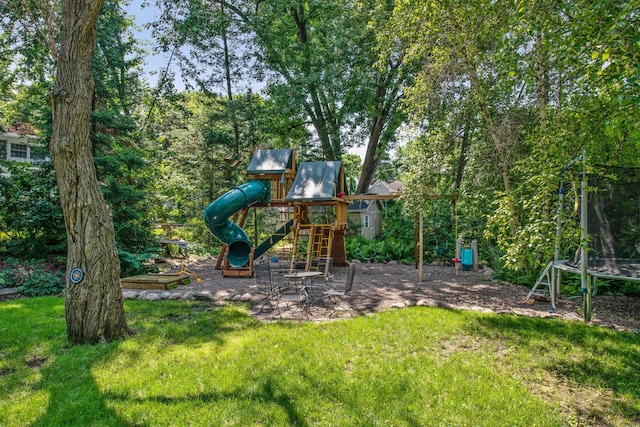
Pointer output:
x,y
393,286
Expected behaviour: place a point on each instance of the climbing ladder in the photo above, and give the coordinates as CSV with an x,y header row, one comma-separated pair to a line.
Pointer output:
x,y
319,255
312,245
542,287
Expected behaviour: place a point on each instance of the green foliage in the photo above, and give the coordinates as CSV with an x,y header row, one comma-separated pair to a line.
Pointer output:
x,y
503,109
396,242
352,164
391,249
30,212
33,277
132,264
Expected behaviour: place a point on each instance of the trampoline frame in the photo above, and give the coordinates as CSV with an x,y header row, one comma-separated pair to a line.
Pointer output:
x,y
588,278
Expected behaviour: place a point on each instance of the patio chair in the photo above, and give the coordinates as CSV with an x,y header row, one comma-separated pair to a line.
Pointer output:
x,y
267,285
334,294
277,288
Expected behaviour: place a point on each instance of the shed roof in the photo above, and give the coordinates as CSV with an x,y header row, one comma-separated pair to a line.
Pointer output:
x,y
360,205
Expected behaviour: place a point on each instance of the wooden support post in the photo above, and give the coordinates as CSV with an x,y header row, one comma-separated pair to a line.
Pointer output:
x,y
474,247
420,248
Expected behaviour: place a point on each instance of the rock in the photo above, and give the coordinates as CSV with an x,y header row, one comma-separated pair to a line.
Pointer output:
x,y
152,297
550,315
175,296
245,297
187,296
222,295
143,295
488,272
426,303
356,261
129,294
448,306
165,295
573,316
397,305
393,263
8,291
236,297
480,309
201,296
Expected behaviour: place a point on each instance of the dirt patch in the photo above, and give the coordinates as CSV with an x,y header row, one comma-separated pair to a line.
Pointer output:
x,y
386,286
36,361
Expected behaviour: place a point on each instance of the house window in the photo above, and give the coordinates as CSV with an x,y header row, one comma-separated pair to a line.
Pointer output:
x,y
3,150
19,151
38,154
365,221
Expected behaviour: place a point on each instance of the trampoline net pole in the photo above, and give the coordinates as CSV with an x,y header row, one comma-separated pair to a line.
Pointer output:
x,y
584,278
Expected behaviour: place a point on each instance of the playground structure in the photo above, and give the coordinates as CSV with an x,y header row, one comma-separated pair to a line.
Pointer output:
x,y
312,200
313,195
610,236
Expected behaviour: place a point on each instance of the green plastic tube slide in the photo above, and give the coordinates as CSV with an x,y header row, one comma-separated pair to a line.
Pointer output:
x,y
217,214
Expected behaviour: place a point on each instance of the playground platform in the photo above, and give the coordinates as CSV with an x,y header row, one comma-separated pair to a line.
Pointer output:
x,y
155,281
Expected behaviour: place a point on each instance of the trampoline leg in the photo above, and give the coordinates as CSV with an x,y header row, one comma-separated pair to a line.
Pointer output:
x,y
586,298
552,289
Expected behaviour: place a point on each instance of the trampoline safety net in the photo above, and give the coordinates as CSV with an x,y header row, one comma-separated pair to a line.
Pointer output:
x,y
614,223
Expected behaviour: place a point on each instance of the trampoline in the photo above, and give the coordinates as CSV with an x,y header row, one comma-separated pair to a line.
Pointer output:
x,y
610,234
621,269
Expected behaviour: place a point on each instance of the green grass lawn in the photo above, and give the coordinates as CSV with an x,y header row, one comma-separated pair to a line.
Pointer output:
x,y
192,363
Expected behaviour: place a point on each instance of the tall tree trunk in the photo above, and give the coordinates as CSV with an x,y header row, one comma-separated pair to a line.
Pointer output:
x,y
542,80
371,157
93,305
227,76
386,103
462,160
320,113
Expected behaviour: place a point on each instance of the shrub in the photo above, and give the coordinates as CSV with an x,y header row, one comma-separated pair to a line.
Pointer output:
x,y
378,250
132,264
33,278
30,212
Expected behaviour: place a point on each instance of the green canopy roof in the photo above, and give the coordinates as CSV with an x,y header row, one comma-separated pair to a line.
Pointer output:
x,y
315,181
270,161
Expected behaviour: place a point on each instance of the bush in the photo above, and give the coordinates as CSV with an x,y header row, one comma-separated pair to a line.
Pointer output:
x,y
33,278
390,249
30,212
133,264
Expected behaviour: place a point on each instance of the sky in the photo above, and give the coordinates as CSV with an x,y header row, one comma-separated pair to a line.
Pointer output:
x,y
155,63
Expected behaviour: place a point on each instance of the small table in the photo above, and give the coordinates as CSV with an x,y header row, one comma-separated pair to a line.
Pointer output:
x,y
306,280
181,244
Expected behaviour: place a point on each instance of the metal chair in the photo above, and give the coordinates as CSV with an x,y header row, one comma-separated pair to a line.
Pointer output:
x,y
335,295
267,285
277,288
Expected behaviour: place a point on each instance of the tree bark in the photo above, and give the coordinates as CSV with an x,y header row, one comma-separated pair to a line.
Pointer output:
x,y
386,101
462,159
93,306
